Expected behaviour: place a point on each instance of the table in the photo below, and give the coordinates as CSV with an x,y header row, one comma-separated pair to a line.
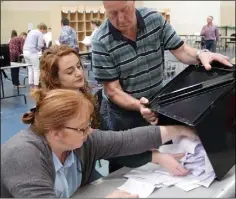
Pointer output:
x,y
227,38
13,65
102,187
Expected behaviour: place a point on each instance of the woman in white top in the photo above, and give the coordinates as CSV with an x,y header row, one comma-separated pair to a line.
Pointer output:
x,y
95,23
33,45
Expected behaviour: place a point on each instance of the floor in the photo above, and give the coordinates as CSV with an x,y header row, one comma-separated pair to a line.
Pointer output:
x,y
12,108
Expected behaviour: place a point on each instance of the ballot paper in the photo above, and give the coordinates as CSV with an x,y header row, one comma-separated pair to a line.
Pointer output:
x,y
195,160
134,186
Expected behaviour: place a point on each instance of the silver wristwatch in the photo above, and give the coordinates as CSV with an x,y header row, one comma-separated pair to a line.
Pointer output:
x,y
199,52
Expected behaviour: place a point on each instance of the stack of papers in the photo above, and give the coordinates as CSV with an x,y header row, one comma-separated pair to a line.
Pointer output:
x,y
153,176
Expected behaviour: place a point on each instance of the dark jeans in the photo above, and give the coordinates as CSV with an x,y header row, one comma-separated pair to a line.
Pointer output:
x,y
120,119
15,76
104,115
210,45
15,72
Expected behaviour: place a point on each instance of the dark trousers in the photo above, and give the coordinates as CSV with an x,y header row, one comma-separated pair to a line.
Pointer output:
x,y
120,119
210,45
15,76
15,72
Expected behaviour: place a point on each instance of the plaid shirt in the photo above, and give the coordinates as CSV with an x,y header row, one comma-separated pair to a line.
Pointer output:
x,y
138,65
16,48
68,36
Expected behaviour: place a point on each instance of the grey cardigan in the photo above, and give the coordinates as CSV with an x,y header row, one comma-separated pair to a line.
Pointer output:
x,y
27,168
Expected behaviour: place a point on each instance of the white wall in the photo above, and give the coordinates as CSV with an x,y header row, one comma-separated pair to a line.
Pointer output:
x,y
188,17
34,12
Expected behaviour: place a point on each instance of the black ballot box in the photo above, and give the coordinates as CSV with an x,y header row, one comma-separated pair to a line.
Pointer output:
x,y
204,100
4,55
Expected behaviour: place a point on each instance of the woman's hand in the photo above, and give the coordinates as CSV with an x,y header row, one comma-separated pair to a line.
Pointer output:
x,y
121,194
170,162
147,114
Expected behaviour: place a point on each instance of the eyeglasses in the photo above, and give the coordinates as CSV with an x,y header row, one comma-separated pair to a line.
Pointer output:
x,y
83,130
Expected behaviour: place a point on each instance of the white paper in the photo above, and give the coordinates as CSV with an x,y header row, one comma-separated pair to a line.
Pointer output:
x,y
207,182
147,177
87,41
172,182
134,186
149,167
208,166
195,160
187,144
187,187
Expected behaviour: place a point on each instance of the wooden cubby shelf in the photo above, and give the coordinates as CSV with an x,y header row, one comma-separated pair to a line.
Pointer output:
x,y
73,16
80,21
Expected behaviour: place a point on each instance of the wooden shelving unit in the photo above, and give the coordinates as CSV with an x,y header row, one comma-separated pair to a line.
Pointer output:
x,y
166,13
80,21
167,16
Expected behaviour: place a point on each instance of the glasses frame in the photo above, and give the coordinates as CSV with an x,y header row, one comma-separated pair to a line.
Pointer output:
x,y
83,130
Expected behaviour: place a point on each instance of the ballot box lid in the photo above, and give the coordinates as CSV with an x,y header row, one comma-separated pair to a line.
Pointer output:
x,y
192,93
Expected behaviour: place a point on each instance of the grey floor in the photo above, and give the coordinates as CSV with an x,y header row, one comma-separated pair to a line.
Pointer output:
x,y
13,108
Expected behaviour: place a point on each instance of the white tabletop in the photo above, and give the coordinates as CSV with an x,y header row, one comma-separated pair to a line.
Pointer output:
x,y
15,65
218,189
227,37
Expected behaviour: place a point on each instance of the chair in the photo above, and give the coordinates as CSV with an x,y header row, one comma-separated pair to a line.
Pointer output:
x,y
198,40
232,40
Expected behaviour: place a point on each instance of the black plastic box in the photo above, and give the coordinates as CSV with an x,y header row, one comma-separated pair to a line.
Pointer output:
x,y
4,55
204,100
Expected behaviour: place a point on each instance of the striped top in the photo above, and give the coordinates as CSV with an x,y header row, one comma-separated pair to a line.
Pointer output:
x,y
137,65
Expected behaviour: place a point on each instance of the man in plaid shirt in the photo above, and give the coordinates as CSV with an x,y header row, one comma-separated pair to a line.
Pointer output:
x,y
68,35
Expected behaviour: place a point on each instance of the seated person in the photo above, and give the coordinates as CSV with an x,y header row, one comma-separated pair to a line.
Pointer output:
x,y
57,153
60,67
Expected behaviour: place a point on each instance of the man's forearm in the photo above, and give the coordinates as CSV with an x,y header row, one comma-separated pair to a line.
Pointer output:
x,y
186,54
124,100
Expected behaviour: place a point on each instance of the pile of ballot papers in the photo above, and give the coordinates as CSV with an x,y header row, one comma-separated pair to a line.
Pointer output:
x,y
145,179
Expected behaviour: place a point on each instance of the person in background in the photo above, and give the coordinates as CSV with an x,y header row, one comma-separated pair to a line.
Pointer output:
x,y
16,49
128,59
13,34
68,35
34,44
48,38
95,23
57,153
211,35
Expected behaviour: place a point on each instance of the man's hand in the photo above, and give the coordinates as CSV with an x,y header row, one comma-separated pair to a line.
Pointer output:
x,y
121,194
170,162
207,58
147,113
